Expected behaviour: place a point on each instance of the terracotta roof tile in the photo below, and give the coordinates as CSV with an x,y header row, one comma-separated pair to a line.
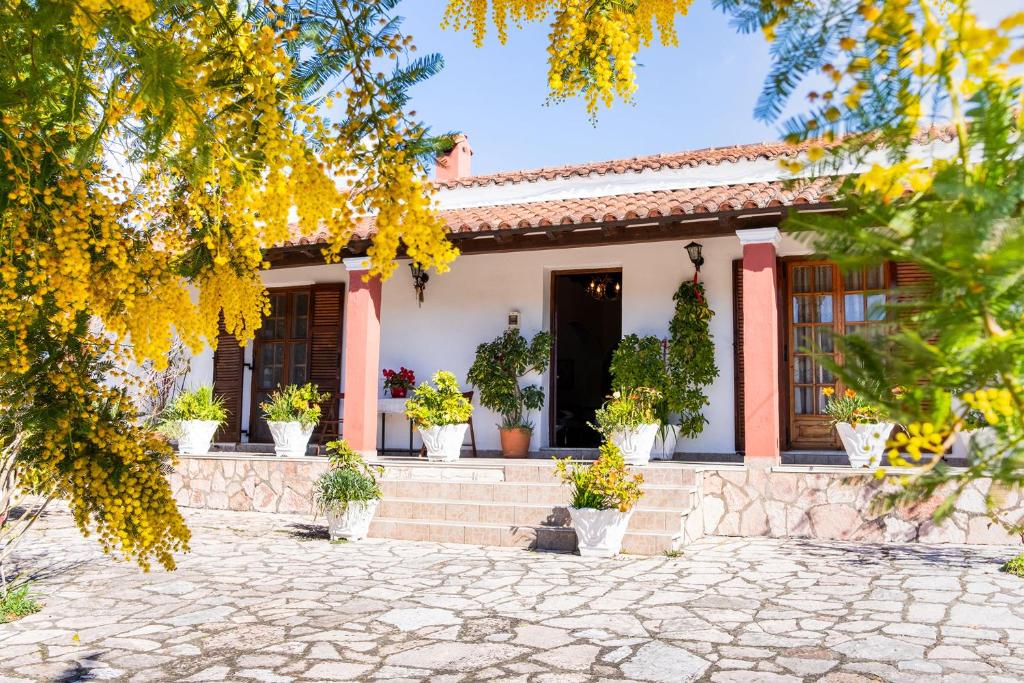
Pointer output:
x,y
640,205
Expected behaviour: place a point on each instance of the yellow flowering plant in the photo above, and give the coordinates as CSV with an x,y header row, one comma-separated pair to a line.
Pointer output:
x,y
150,152
605,484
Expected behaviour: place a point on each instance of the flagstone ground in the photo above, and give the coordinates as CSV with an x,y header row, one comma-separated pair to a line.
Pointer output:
x,y
268,598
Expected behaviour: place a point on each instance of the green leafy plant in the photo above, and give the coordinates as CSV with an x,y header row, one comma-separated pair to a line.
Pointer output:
x,y
17,602
350,479
440,404
497,369
627,409
640,362
338,487
294,403
1014,566
199,404
691,357
605,484
851,407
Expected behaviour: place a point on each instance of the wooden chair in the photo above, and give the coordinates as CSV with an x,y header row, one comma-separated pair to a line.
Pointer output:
x,y
329,427
468,395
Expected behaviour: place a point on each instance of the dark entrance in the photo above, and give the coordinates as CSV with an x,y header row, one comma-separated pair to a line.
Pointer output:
x,y
586,317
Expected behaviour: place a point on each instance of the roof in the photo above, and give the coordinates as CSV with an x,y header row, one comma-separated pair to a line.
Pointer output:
x,y
710,156
618,207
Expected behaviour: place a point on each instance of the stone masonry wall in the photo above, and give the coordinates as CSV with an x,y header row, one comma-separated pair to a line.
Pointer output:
x,y
756,501
732,501
261,484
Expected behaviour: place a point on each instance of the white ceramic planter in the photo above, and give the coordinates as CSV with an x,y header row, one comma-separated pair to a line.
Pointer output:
x,y
982,439
636,444
195,436
864,443
665,446
443,442
290,438
599,532
351,522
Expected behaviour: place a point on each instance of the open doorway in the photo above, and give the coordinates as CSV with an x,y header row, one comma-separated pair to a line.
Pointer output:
x,y
586,318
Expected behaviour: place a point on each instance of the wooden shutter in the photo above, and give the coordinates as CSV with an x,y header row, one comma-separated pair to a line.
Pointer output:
x,y
737,346
912,280
325,338
228,362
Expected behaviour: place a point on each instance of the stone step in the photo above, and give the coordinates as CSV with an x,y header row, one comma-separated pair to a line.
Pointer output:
x,y
535,493
644,519
492,470
559,539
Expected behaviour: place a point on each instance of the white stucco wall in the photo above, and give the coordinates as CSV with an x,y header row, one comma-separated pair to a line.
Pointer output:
x,y
470,304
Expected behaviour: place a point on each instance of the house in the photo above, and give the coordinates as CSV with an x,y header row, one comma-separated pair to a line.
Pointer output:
x,y
532,241
590,252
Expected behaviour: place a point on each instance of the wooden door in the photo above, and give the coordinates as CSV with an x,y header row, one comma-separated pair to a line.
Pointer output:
x,y
280,353
823,302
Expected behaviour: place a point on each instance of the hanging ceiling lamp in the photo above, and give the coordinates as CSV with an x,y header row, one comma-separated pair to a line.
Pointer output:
x,y
604,288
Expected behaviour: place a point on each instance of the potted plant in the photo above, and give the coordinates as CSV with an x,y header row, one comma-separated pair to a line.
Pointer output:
x,y
975,434
440,412
193,418
602,497
691,358
348,493
292,413
629,421
861,427
399,382
640,362
497,370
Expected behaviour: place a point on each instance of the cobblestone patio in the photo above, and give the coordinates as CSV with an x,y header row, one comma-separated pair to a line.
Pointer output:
x,y
268,598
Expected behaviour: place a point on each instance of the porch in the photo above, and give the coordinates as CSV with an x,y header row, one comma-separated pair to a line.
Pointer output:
x,y
518,503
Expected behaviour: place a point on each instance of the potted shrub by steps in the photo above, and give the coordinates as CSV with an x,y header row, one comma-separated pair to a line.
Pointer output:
x,y
497,370
193,419
861,427
628,420
292,413
975,435
347,494
602,497
640,362
441,413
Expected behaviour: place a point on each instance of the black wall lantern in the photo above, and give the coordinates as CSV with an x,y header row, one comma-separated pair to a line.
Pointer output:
x,y
419,280
693,249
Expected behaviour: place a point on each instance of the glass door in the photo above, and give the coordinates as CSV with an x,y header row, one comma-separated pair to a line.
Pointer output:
x,y
823,302
280,354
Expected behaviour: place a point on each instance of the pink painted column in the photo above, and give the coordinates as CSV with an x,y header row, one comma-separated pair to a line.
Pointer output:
x,y
362,358
761,400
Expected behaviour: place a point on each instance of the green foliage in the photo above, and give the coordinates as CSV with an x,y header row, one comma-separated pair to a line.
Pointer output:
x,y
199,404
1014,566
691,358
627,409
961,334
640,362
497,369
350,479
294,403
438,405
17,602
338,487
606,484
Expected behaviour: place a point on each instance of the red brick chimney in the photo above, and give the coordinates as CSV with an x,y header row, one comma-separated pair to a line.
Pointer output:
x,y
455,164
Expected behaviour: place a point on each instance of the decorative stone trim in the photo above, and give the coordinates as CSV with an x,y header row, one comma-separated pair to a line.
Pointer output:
x,y
770,236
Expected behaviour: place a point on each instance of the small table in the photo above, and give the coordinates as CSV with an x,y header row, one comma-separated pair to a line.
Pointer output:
x,y
386,406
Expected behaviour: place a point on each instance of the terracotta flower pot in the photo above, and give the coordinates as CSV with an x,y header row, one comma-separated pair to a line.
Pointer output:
x,y
515,442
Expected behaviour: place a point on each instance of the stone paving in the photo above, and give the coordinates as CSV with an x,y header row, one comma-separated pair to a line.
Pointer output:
x,y
268,598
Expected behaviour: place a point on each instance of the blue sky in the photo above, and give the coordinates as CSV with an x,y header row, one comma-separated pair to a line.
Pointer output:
x,y
700,94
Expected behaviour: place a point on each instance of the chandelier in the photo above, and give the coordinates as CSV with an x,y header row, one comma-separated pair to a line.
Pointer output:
x,y
604,288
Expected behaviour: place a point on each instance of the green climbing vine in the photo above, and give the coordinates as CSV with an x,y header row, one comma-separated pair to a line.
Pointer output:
x,y
691,357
